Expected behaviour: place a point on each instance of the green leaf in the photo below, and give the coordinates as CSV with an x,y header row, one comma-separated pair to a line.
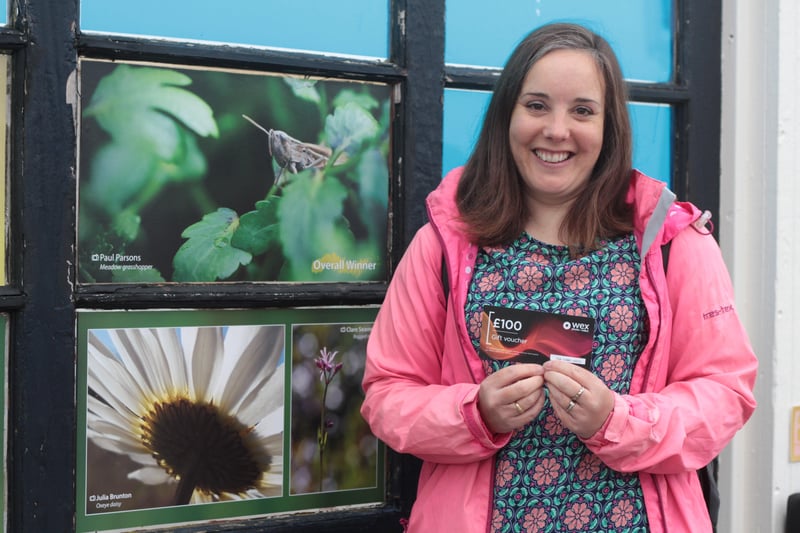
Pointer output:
x,y
189,163
258,230
126,225
145,102
128,174
208,255
365,100
349,127
118,172
373,177
312,225
304,89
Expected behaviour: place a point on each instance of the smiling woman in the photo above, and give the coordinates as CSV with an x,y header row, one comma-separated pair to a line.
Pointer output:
x,y
197,409
548,218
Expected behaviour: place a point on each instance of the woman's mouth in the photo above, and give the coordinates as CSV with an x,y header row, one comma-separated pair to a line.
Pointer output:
x,y
552,157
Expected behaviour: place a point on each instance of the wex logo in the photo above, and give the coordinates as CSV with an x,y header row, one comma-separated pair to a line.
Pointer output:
x,y
576,326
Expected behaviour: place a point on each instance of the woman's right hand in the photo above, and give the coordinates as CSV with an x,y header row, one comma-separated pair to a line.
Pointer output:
x,y
511,397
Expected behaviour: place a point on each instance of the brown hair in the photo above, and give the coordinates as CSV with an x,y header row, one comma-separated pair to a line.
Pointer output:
x,y
490,194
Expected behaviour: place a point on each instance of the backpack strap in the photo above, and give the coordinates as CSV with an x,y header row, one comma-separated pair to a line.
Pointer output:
x,y
445,281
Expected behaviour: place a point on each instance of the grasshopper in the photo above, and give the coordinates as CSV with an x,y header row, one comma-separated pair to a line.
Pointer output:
x,y
293,155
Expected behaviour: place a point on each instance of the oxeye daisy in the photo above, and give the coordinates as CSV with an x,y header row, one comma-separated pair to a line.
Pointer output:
x,y
200,409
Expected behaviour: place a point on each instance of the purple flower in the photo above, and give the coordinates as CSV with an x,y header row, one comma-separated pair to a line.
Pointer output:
x,y
328,368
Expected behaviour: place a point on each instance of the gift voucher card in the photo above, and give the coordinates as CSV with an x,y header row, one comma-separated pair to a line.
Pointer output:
x,y
535,337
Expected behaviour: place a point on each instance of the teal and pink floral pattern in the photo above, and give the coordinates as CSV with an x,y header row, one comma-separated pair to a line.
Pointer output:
x,y
546,480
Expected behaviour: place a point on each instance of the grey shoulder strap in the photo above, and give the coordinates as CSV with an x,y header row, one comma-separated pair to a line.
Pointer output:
x,y
666,200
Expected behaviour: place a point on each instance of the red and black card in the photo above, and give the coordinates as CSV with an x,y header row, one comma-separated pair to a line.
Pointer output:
x,y
534,336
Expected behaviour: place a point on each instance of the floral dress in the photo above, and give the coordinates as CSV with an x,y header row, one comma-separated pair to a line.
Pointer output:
x,y
546,479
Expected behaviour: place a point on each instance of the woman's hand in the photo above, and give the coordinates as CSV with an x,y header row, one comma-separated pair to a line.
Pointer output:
x,y
511,397
580,399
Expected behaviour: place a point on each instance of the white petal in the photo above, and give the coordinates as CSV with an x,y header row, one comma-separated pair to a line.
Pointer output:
x,y
141,354
172,350
205,350
270,426
151,475
111,380
263,398
274,479
124,419
111,431
121,447
252,353
273,444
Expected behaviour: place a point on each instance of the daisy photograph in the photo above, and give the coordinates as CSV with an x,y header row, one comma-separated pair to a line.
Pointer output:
x,y
183,415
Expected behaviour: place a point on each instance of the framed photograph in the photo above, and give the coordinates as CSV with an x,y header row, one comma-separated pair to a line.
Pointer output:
x,y
188,416
208,175
327,369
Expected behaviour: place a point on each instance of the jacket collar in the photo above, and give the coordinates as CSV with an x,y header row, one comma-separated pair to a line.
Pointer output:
x,y
657,218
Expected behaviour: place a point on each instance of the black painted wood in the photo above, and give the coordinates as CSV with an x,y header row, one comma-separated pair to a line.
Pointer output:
x,y
698,125
41,374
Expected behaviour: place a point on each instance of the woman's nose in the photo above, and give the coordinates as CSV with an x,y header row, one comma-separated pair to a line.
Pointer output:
x,y
557,127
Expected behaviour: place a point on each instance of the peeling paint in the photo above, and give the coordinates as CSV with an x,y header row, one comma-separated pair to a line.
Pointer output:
x,y
72,96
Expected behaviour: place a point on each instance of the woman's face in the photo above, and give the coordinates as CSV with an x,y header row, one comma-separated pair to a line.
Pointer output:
x,y
556,129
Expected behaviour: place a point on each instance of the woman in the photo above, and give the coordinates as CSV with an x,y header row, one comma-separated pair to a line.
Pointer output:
x,y
549,217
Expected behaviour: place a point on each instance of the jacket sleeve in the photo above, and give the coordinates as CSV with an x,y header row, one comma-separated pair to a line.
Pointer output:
x,y
406,404
703,393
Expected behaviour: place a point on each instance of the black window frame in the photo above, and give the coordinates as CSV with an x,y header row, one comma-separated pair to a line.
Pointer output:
x,y
42,297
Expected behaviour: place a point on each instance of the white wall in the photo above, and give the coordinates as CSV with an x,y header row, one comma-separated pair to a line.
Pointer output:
x,y
759,224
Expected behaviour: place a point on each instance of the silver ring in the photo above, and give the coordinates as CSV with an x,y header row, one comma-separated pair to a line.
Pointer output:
x,y
520,410
571,405
577,395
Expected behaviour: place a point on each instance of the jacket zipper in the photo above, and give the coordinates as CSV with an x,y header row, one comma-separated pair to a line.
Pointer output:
x,y
656,480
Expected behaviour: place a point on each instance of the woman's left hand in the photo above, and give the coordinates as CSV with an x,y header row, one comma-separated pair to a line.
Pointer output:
x,y
580,399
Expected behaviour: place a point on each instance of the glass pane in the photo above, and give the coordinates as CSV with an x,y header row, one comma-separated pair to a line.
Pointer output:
x,y
463,115
651,123
652,144
351,27
640,32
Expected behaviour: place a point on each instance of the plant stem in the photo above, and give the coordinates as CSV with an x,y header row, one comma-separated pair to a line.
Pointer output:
x,y
322,437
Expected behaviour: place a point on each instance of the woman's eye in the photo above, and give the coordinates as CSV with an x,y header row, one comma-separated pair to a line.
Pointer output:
x,y
584,111
536,106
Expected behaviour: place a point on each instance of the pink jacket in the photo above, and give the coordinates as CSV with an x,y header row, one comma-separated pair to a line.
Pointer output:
x,y
690,392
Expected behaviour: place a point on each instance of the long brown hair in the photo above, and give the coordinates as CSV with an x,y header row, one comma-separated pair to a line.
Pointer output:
x,y
490,193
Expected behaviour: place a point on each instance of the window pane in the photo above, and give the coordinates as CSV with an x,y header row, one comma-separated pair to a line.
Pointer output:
x,y
652,134
351,27
463,115
642,37
652,126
